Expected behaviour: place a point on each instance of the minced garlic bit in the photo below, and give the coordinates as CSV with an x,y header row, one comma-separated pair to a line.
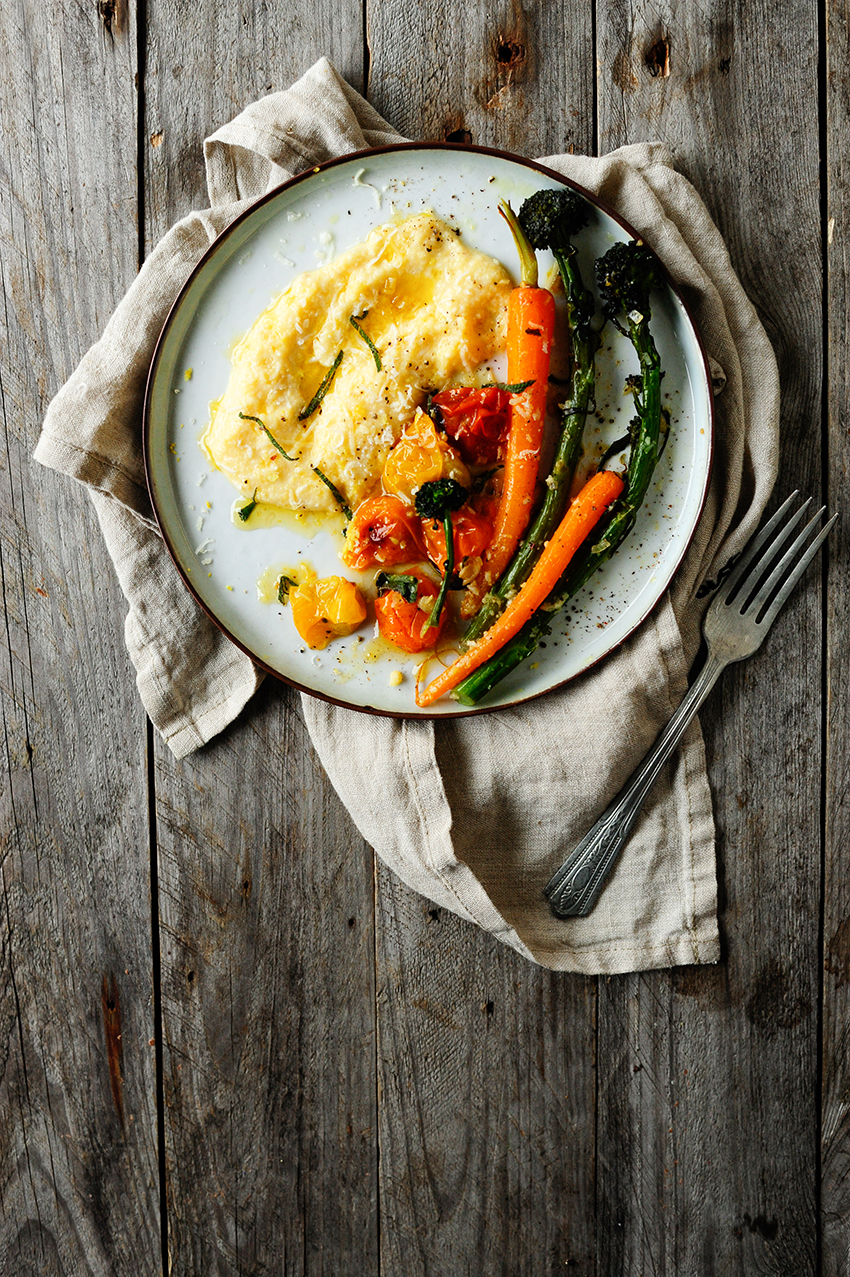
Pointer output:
x,y
396,678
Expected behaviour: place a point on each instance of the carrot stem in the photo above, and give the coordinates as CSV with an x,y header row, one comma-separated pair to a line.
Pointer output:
x,y
527,256
582,516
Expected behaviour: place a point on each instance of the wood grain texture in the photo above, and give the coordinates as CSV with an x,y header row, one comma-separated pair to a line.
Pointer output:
x,y
78,1148
268,1007
360,1089
487,1106
835,1198
707,1156
206,61
510,75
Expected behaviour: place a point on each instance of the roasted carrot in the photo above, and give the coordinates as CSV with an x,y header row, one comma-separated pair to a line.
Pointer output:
x,y
531,327
582,516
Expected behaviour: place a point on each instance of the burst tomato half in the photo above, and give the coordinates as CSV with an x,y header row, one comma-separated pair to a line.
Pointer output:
x,y
472,534
477,419
421,456
383,531
406,624
326,609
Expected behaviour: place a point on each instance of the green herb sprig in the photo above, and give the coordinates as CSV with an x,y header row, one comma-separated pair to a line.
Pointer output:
x,y
245,417
340,499
366,338
324,386
515,389
245,511
406,586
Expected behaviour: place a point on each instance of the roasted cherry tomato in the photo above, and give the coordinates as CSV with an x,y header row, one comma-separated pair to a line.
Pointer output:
x,y
421,456
472,534
406,624
326,609
383,531
476,419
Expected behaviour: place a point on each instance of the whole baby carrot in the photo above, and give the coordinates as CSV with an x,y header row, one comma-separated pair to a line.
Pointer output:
x,y
582,516
531,327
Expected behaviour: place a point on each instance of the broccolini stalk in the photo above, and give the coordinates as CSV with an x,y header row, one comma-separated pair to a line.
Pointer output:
x,y
626,276
550,219
435,500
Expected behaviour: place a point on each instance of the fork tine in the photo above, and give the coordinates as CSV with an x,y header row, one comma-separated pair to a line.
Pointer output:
x,y
772,612
758,597
753,583
753,548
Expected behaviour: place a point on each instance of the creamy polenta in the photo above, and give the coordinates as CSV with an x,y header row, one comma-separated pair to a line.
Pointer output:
x,y
433,309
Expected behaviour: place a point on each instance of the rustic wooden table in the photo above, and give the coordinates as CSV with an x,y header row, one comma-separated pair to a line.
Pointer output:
x,y
209,1065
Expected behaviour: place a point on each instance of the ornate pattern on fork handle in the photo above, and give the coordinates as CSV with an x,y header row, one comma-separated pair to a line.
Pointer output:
x,y
573,891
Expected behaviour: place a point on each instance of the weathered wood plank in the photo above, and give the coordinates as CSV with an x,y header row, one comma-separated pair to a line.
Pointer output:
x,y
835,1194
268,1007
707,1122
487,1101
486,1062
266,904
79,1190
517,77
206,62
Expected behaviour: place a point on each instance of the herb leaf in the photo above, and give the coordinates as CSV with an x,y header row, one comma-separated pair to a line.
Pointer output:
x,y
322,391
246,511
513,389
406,586
366,338
340,499
244,417
284,585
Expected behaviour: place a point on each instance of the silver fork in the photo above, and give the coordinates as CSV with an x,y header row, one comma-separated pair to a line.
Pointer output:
x,y
736,624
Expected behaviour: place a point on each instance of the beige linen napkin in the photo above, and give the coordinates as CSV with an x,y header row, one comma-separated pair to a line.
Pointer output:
x,y
475,814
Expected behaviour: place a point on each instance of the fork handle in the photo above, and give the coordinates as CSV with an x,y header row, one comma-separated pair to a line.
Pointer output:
x,y
574,889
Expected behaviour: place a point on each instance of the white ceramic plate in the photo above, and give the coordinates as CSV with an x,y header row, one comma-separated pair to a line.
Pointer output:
x,y
299,226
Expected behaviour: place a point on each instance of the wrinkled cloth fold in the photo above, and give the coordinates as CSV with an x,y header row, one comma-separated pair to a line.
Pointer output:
x,y
474,813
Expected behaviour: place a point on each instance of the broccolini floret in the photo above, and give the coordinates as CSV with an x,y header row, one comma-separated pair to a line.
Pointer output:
x,y
551,219
626,275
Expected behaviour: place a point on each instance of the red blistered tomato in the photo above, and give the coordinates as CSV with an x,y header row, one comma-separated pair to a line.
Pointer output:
x,y
383,531
472,534
406,624
477,419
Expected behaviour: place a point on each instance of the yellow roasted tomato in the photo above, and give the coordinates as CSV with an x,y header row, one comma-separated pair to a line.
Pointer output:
x,y
420,456
326,609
